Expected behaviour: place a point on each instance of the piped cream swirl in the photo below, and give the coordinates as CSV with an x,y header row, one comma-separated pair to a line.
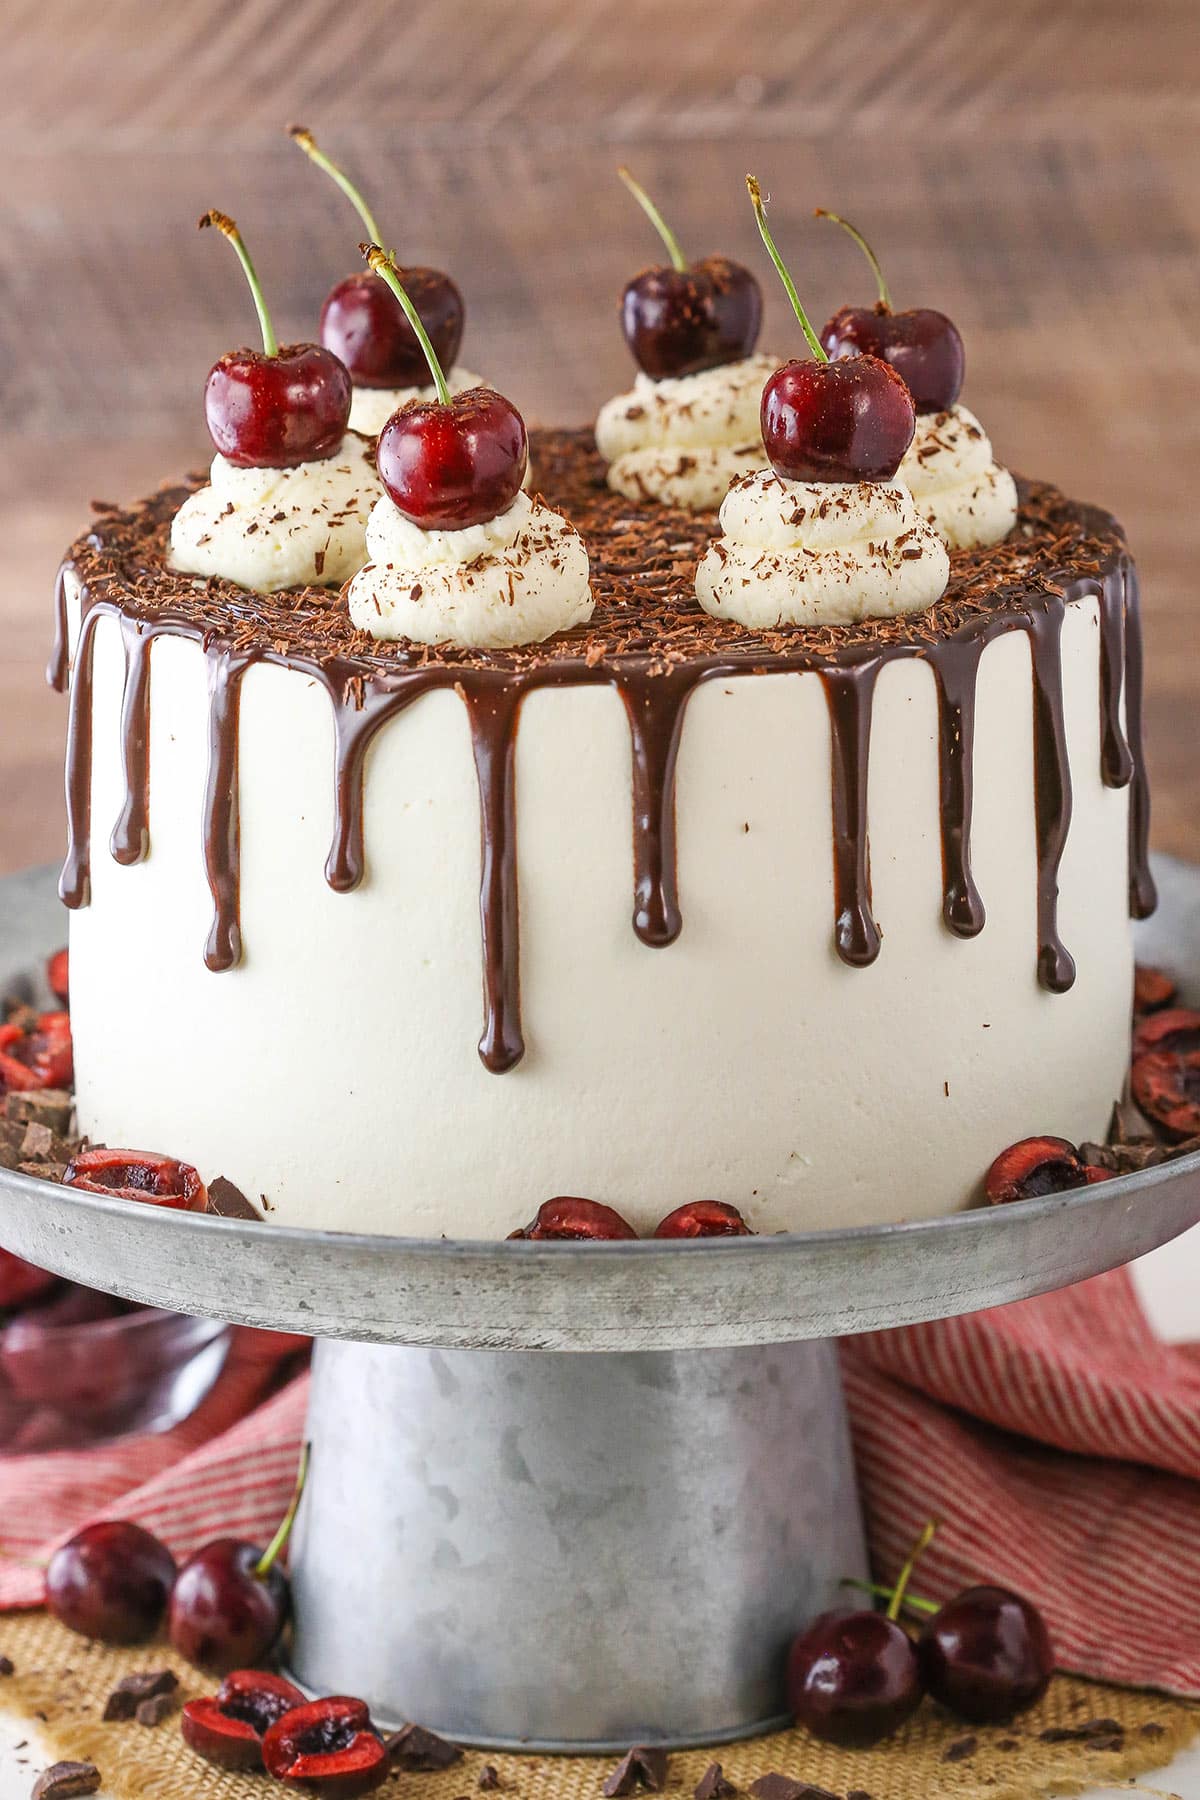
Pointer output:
x,y
278,528
514,579
681,441
371,408
957,485
819,553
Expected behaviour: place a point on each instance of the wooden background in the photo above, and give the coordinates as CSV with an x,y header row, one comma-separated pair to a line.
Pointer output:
x,y
1029,165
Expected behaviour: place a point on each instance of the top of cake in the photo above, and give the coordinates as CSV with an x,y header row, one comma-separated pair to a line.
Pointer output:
x,y
643,566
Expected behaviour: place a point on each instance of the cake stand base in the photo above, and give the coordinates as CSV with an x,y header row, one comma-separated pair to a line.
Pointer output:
x,y
570,1552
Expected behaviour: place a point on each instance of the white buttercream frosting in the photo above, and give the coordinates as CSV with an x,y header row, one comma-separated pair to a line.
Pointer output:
x,y
955,481
279,528
514,579
371,407
819,553
682,441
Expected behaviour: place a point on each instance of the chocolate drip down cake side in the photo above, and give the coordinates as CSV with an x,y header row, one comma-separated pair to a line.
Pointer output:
x,y
588,840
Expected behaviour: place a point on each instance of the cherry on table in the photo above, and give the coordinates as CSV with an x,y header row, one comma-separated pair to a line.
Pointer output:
x,y
852,1678
568,1217
328,1745
686,317
986,1655
231,1599
138,1175
21,1282
279,406
920,343
363,323
454,461
110,1581
850,420
703,1218
228,1729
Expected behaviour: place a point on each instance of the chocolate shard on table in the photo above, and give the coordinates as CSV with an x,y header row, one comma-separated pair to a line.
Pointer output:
x,y
414,1748
64,1780
714,1784
644,1766
132,1690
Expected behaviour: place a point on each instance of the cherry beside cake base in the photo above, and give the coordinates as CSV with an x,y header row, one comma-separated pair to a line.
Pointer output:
x,y
570,1552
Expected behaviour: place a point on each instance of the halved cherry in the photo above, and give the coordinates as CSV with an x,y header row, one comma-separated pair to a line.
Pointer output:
x,y
229,1728
1034,1167
40,1058
138,1175
1166,1085
1152,989
568,1217
328,1745
1177,1029
703,1218
56,975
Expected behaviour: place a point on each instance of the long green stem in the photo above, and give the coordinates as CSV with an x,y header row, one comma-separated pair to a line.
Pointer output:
x,y
880,1592
385,268
679,261
756,200
223,223
267,1560
313,151
922,1544
836,219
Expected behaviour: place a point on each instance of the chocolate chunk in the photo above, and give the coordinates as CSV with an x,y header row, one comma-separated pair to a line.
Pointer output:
x,y
413,1748
1098,1734
714,1784
229,1201
155,1710
133,1690
44,1106
960,1750
645,1766
39,1142
48,1171
64,1779
785,1787
1009,1744
7,1666
489,1777
1152,1729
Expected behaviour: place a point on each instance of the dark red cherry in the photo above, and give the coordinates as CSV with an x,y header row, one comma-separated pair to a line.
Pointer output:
x,y
1166,1085
1176,1029
57,972
922,345
21,1283
364,326
110,1581
836,421
1032,1168
275,407
569,1217
852,1678
1153,989
703,1218
229,1728
986,1655
684,317
223,1614
449,465
138,1175
41,1056
329,1746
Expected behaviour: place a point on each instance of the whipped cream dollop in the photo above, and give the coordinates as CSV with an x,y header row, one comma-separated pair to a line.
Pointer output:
x,y
819,553
279,528
514,579
957,485
371,408
681,441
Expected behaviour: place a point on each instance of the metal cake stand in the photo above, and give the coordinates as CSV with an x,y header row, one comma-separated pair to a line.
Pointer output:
x,y
564,1551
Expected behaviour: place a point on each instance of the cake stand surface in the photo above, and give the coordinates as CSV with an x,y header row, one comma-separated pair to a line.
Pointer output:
x,y
563,1551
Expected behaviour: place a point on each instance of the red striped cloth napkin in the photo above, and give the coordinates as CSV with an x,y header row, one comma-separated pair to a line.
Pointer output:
x,y
1057,1441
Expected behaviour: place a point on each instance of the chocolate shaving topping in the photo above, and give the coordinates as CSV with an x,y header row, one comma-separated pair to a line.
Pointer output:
x,y
714,1784
413,1748
489,1777
960,1750
229,1201
64,1779
133,1690
645,1766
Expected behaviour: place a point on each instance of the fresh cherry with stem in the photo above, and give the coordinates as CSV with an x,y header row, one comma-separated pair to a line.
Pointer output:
x,y
362,322
231,1599
278,406
110,1581
685,317
921,344
850,420
451,462
852,1678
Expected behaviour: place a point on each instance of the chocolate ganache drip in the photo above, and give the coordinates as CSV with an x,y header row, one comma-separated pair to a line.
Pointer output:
x,y
655,668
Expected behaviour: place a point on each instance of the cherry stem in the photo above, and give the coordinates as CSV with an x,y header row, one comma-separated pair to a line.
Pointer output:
x,y
660,225
756,200
885,1593
922,1544
223,223
385,268
26,1562
885,297
312,150
267,1560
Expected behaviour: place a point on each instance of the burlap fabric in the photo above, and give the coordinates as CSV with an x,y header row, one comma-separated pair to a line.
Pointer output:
x,y
1082,1735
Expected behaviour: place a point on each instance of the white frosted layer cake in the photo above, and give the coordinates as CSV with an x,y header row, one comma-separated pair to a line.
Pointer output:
x,y
880,879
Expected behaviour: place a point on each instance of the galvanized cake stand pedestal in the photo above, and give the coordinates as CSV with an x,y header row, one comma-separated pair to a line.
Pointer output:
x,y
577,1496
